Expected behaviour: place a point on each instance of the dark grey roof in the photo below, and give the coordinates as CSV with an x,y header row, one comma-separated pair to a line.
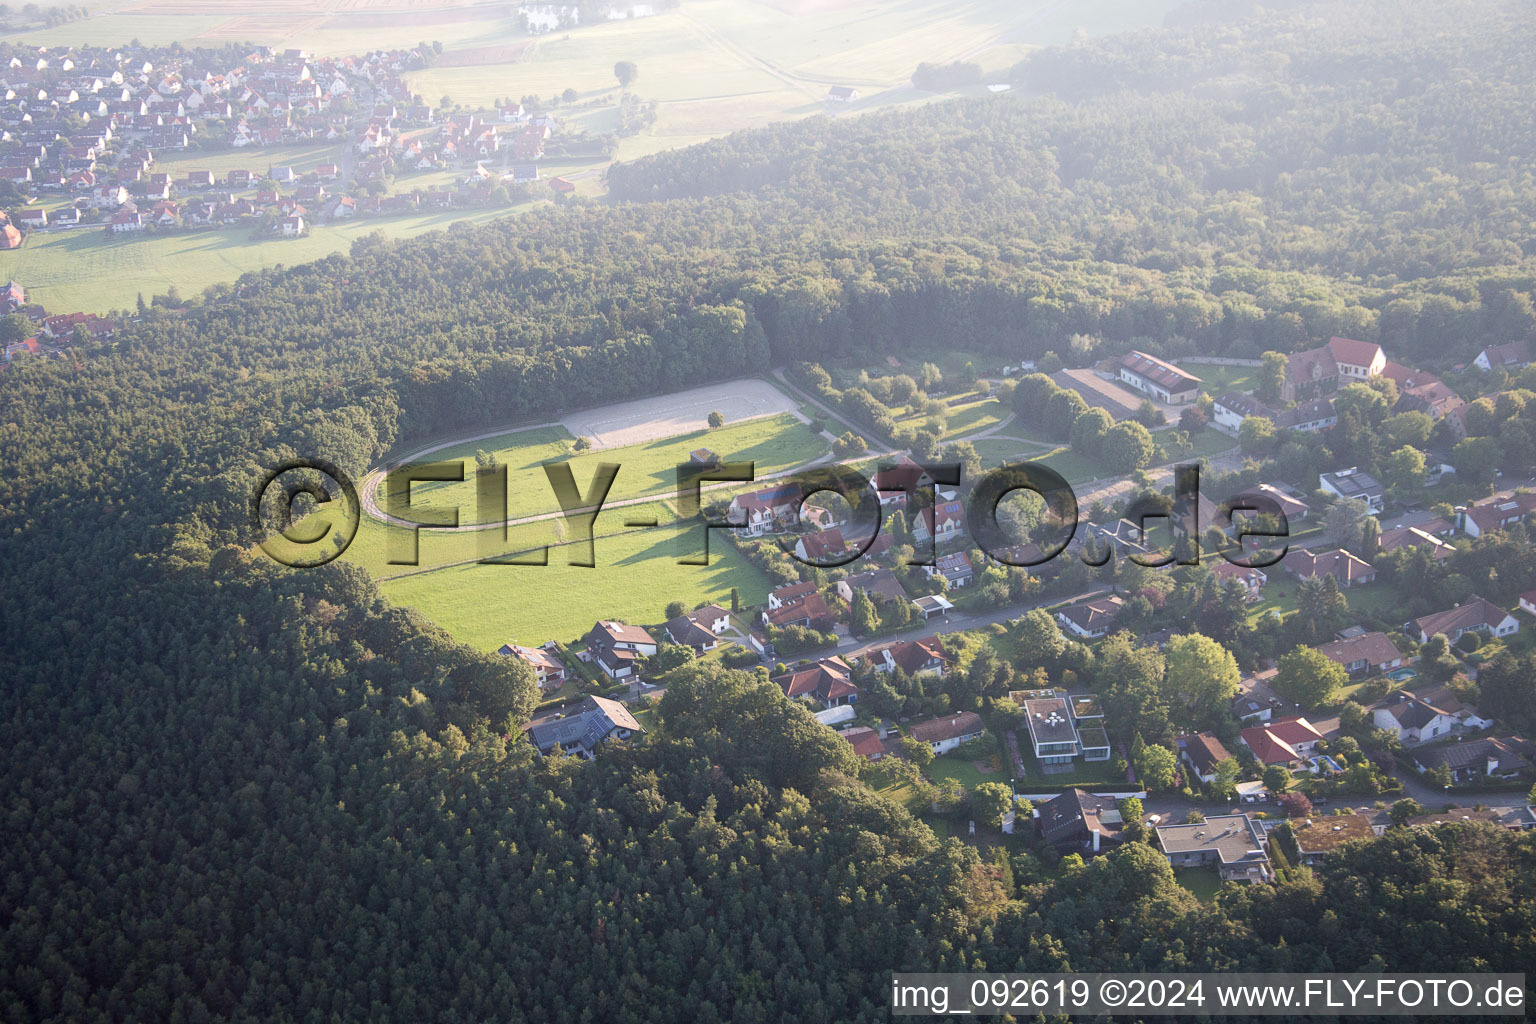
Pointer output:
x,y
586,728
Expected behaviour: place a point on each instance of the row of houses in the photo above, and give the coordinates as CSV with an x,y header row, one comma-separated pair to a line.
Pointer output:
x,y
1236,846
54,331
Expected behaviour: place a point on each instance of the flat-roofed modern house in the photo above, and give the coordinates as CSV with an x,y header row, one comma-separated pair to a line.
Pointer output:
x,y
1356,485
1157,378
1318,837
595,721
1229,842
1052,733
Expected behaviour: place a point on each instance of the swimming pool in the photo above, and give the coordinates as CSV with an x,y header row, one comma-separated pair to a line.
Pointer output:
x,y
1402,675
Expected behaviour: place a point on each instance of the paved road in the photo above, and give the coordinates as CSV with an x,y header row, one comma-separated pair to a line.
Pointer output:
x,y
956,621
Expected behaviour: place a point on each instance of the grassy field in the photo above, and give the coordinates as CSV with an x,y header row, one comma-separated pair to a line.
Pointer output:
x,y
85,269
974,417
772,442
996,451
636,575
253,158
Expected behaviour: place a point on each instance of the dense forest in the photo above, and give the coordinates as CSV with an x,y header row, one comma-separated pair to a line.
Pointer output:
x,y
244,792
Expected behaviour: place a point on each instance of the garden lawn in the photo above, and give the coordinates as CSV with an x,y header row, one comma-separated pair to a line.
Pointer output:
x,y
960,769
1205,883
1221,379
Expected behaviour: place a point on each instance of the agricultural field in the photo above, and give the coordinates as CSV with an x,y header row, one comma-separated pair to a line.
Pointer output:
x,y
84,269
716,66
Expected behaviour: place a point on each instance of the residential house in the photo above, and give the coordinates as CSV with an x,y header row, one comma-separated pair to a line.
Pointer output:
x,y
291,226
1510,356
1495,515
1202,752
879,584
1286,500
1518,817
1281,741
1317,837
1367,654
1420,715
1351,483
770,508
1489,757
948,732
595,721
1091,619
1229,842
954,569
915,657
1081,822
801,612
842,94
829,681
1322,371
792,594
1528,601
699,629
1252,580
866,742
125,221
547,667
1347,569
1413,537
1473,614
1229,411
1051,733
941,523
824,548
894,483
1159,379
36,217
618,647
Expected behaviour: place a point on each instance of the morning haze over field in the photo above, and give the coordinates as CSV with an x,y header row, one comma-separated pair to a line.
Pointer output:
x,y
1111,427
709,69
